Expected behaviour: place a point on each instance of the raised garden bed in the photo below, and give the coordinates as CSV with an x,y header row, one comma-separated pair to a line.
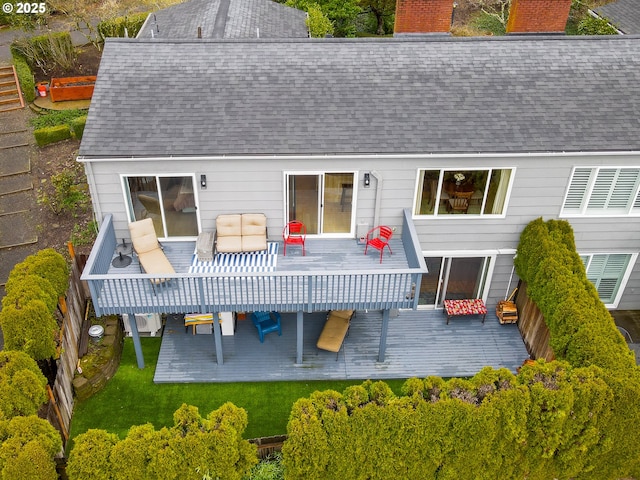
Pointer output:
x,y
72,88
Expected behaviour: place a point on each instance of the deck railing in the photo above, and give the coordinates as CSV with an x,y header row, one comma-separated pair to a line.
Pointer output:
x,y
245,291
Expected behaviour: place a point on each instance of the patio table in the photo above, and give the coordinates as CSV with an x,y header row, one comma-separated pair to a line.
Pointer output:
x,y
473,306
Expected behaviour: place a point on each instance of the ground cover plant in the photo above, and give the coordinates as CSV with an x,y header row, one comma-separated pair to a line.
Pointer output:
x,y
131,398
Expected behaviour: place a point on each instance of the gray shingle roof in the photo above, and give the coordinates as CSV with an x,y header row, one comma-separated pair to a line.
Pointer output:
x,y
624,14
226,19
510,94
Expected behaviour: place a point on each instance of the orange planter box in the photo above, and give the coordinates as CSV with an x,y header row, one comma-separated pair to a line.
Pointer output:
x,y
71,88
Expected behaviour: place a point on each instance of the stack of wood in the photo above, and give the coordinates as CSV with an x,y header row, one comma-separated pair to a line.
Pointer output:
x,y
506,310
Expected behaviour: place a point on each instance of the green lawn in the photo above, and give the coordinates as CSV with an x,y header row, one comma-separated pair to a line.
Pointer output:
x,y
131,398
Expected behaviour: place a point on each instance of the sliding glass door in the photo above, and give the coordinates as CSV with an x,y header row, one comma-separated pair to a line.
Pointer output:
x,y
454,278
322,201
169,201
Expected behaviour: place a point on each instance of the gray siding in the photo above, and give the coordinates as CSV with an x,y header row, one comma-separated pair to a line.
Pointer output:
x,y
539,187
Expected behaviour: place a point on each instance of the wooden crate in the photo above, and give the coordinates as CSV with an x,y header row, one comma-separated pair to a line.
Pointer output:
x,y
507,312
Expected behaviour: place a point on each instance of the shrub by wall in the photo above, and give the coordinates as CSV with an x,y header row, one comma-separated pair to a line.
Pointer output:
x,y
48,264
193,449
47,135
22,385
583,333
28,446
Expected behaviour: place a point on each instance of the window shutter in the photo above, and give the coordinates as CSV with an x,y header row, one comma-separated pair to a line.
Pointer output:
x,y
625,189
577,189
602,188
606,272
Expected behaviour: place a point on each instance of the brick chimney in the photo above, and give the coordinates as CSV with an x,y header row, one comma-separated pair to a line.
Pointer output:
x,y
423,16
538,16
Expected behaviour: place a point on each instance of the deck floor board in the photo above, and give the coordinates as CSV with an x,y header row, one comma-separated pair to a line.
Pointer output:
x,y
419,344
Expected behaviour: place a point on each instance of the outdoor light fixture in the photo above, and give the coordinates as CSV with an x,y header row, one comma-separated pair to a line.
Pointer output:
x,y
367,179
203,181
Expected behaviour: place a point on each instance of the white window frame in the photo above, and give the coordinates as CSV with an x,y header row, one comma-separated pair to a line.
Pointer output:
x,y
127,199
489,258
322,174
583,187
419,188
633,257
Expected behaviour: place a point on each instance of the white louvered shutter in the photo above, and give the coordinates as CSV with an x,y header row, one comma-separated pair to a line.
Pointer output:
x,y
577,190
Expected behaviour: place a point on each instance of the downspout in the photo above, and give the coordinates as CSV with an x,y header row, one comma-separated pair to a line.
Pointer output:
x,y
376,210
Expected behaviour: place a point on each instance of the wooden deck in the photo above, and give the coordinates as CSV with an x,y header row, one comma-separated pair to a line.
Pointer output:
x,y
419,344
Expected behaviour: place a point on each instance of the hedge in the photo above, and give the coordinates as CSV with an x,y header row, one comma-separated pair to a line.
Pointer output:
x,y
28,446
543,424
193,449
77,126
46,263
47,135
22,385
25,77
115,27
575,418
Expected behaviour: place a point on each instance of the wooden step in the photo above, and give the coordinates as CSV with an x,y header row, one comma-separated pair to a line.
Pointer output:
x,y
13,91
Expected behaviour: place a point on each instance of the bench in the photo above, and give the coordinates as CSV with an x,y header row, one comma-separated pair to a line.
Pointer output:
x,y
473,306
241,233
335,330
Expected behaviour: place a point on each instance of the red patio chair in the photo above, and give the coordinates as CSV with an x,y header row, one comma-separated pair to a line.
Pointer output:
x,y
294,233
378,238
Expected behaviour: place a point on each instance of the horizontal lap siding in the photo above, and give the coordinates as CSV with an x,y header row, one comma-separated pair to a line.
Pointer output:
x,y
257,185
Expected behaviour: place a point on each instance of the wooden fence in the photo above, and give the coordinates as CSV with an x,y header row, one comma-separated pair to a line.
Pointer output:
x,y
533,328
60,407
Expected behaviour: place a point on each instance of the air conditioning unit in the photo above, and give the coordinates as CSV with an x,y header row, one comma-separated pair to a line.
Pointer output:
x,y
147,323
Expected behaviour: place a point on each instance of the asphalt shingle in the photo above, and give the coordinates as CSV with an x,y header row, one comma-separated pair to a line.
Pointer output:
x,y
623,14
226,19
348,96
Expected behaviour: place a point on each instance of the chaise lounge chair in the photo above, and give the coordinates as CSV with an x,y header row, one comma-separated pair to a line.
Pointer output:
x,y
149,251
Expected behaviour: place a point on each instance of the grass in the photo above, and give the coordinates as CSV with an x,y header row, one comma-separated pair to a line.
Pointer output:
x,y
56,117
131,398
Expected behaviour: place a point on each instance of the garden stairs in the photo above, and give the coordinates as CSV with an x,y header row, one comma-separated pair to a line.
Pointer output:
x,y
10,94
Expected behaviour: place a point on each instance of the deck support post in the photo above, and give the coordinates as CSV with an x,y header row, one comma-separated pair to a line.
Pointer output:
x,y
133,324
217,338
299,332
383,335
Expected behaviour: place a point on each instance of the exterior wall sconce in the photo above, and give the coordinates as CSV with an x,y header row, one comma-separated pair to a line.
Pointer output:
x,y
203,181
367,180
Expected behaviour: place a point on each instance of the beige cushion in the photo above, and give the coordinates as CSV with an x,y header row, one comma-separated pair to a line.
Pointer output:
x,y
254,224
341,313
253,243
155,261
229,244
333,333
143,236
229,225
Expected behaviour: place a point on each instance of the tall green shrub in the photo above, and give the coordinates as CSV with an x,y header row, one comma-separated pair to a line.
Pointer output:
x,y
583,333
543,424
22,385
31,329
194,448
22,289
48,264
28,446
